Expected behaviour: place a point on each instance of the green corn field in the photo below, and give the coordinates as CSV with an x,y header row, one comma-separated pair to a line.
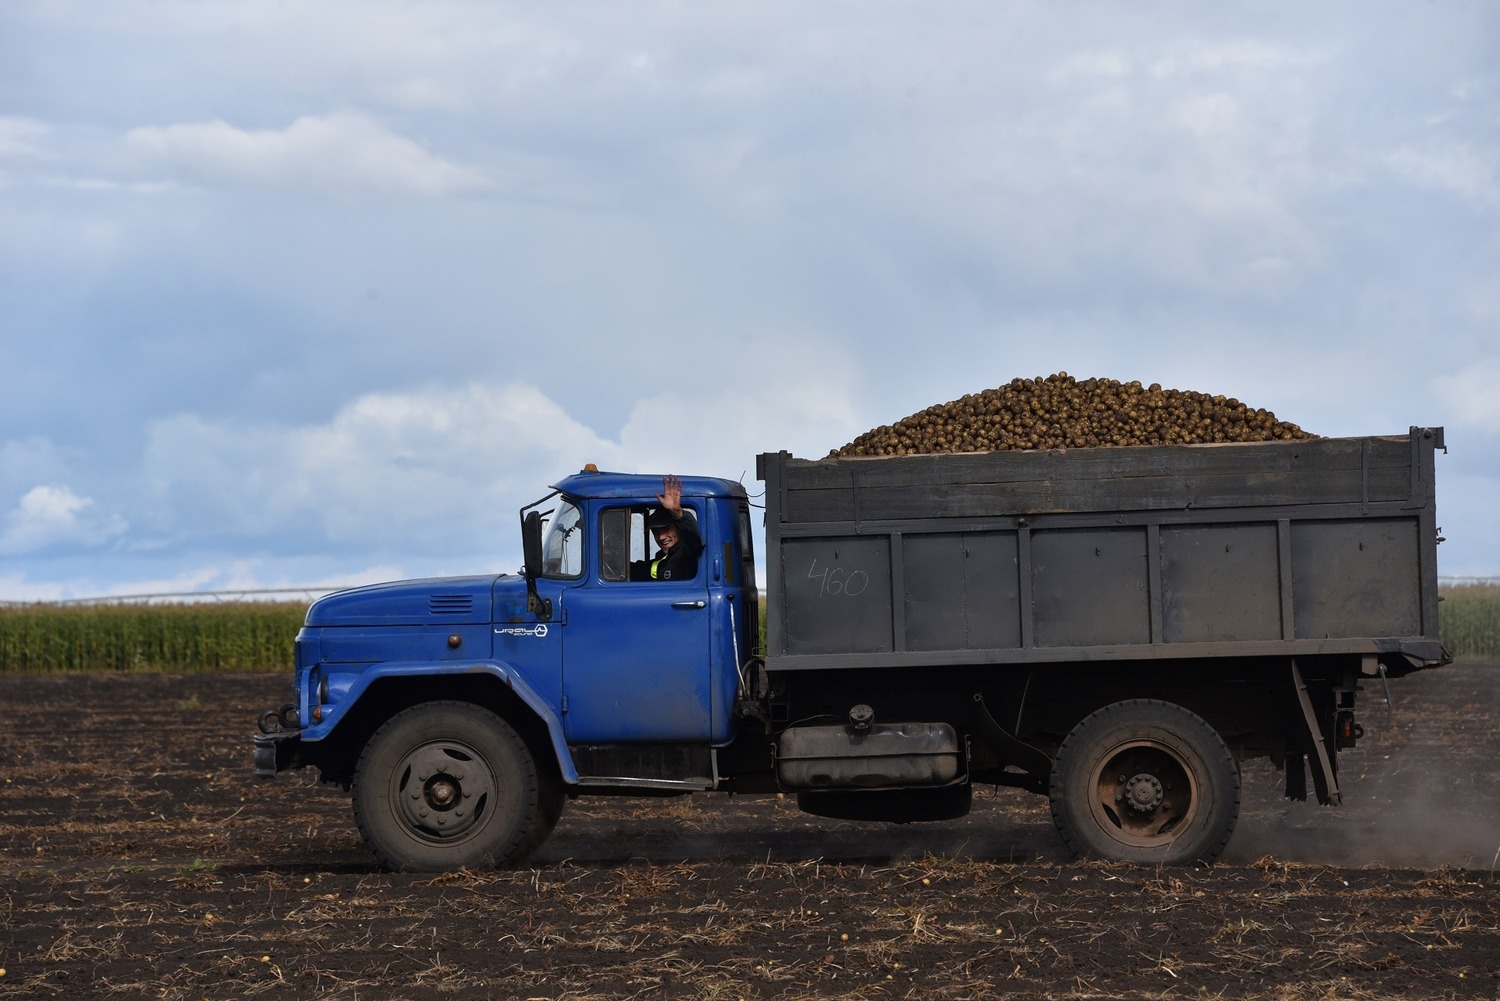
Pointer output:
x,y
165,638
1469,619
257,636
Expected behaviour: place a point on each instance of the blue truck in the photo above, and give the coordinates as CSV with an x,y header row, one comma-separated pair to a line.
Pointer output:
x,y
1114,628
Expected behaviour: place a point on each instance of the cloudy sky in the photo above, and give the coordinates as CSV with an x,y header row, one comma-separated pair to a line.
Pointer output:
x,y
301,292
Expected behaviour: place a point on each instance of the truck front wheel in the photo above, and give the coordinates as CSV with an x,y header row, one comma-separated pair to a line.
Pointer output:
x,y
1145,781
444,785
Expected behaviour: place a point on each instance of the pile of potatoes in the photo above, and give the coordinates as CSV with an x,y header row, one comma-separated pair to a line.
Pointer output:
x,y
1059,411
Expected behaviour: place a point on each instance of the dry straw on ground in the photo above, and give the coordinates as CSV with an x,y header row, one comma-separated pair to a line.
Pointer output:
x,y
165,872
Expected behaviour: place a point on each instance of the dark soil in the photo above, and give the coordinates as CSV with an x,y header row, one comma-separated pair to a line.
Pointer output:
x,y
138,858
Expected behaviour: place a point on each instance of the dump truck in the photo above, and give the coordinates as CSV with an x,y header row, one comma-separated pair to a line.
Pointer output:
x,y
1114,628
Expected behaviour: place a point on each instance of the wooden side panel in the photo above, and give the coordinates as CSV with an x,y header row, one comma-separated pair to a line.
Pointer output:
x,y
991,484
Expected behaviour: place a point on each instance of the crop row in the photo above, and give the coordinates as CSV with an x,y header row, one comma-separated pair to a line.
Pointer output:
x,y
156,638
257,636
1469,620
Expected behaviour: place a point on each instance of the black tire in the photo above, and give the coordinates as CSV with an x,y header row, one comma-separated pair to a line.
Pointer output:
x,y
550,801
447,785
1145,781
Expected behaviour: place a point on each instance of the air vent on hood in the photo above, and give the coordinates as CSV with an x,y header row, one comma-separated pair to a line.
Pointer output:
x,y
450,604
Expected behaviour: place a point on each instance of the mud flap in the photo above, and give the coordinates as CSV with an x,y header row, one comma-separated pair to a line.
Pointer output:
x,y
1296,777
1324,780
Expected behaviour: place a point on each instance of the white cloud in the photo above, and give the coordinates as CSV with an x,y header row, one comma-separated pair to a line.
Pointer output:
x,y
16,587
235,574
1472,396
775,392
30,461
442,469
201,574
1089,66
1472,175
929,202
335,153
417,468
21,137
1197,56
48,515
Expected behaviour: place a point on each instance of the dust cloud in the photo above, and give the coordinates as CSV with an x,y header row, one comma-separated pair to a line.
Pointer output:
x,y
1421,790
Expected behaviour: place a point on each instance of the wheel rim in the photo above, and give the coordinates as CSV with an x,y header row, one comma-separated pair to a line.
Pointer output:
x,y
1144,794
442,791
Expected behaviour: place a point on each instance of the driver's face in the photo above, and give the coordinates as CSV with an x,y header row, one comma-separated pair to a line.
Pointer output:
x,y
666,536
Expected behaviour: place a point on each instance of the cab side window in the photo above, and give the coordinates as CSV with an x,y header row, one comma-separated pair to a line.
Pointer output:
x,y
747,543
624,540
622,533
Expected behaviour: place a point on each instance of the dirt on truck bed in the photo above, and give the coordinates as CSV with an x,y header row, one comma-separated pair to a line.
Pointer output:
x,y
139,858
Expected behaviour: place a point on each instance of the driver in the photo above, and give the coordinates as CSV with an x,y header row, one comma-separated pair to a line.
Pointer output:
x,y
680,545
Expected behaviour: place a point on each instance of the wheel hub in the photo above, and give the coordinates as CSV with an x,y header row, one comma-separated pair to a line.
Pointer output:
x,y
441,790
1143,792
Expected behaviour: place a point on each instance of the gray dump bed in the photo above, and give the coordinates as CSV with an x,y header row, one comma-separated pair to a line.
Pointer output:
x,y
1296,548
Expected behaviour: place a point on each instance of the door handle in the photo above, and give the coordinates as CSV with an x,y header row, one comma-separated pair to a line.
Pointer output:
x,y
688,604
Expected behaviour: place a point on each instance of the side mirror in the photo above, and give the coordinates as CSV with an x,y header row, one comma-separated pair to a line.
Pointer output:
x,y
531,543
531,550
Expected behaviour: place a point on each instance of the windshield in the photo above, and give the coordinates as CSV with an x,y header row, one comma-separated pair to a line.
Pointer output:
x,y
562,545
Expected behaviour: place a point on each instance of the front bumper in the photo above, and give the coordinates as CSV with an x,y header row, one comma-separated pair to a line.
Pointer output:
x,y
277,752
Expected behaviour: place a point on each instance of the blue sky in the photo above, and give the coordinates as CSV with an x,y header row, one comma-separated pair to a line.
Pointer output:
x,y
299,293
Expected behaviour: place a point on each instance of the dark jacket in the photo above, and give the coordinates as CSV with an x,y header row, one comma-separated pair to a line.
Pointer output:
x,y
680,564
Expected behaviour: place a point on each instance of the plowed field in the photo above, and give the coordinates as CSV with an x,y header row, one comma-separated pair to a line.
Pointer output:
x,y
139,859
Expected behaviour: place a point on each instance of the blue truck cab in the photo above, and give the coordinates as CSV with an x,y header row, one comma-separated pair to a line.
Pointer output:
x,y
462,711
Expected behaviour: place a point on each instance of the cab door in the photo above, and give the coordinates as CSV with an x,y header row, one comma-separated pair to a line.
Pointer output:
x,y
636,655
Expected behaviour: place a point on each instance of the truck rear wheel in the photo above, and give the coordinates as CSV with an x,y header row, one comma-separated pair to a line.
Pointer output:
x,y
444,785
1145,781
